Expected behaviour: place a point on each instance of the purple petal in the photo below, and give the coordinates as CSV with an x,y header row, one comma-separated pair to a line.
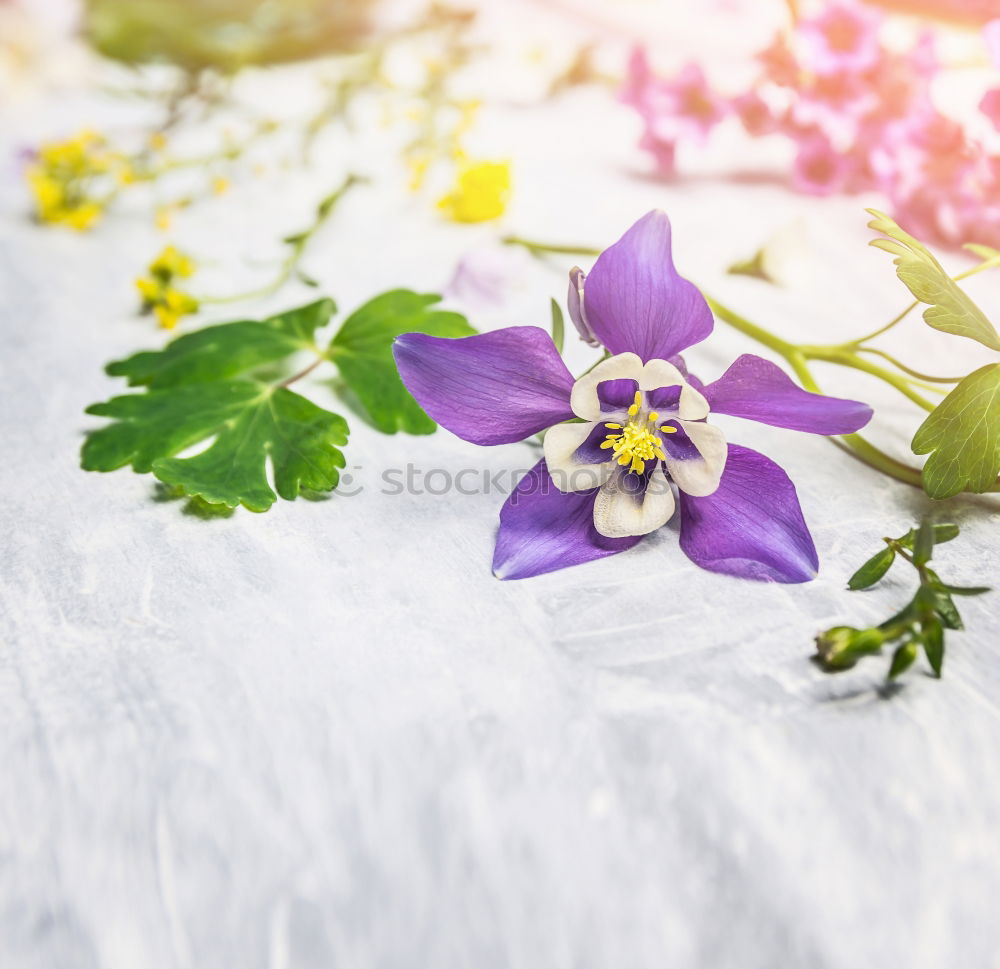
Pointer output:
x,y
758,390
665,398
616,394
679,363
752,526
679,445
543,529
636,301
574,303
591,452
492,388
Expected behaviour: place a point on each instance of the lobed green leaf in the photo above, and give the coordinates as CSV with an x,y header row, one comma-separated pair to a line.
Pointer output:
x,y
300,439
950,308
362,350
962,436
226,350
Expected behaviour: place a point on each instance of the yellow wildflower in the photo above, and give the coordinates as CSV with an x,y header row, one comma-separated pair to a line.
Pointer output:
x,y
480,193
159,294
72,181
173,306
220,185
164,217
172,262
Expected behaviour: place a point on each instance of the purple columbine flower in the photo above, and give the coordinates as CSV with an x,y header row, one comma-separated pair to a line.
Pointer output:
x,y
621,438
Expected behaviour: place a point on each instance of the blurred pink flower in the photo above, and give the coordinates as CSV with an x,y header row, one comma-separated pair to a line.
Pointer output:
x,y
819,168
990,106
844,37
991,34
859,114
686,103
755,114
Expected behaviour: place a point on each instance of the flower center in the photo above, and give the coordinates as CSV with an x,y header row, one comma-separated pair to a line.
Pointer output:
x,y
635,443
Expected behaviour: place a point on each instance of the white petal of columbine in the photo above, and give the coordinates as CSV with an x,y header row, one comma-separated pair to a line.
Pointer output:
x,y
569,474
659,373
584,400
700,476
692,405
619,513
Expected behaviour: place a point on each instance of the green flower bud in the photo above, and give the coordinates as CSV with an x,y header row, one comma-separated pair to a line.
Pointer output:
x,y
842,646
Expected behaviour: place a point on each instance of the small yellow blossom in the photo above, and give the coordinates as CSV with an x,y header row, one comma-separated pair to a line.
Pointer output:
x,y
480,193
158,141
164,217
220,185
173,306
72,181
172,262
159,294
419,166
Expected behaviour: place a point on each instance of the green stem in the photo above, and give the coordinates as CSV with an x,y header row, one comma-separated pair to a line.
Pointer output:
x,y
549,249
845,359
298,244
797,358
899,365
984,265
304,372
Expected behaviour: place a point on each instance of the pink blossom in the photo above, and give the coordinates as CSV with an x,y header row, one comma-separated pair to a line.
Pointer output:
x,y
991,34
842,38
779,63
860,117
819,168
990,106
755,113
684,106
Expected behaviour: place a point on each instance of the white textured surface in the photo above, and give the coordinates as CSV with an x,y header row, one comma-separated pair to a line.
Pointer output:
x,y
327,737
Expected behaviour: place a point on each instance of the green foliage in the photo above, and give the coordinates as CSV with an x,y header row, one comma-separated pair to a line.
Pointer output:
x,y
362,350
921,624
558,326
962,436
950,309
216,390
227,349
222,34
872,570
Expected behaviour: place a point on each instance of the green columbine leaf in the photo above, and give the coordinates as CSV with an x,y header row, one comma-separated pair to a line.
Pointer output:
x,y
250,422
872,570
300,439
215,392
226,350
362,351
951,310
962,436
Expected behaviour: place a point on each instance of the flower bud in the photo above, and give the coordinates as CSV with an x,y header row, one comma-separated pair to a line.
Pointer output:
x,y
842,646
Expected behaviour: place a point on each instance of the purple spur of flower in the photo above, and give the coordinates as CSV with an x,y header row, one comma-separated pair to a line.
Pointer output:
x,y
626,435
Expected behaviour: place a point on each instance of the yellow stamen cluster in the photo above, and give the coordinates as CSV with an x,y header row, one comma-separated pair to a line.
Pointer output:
x,y
72,181
159,294
635,443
